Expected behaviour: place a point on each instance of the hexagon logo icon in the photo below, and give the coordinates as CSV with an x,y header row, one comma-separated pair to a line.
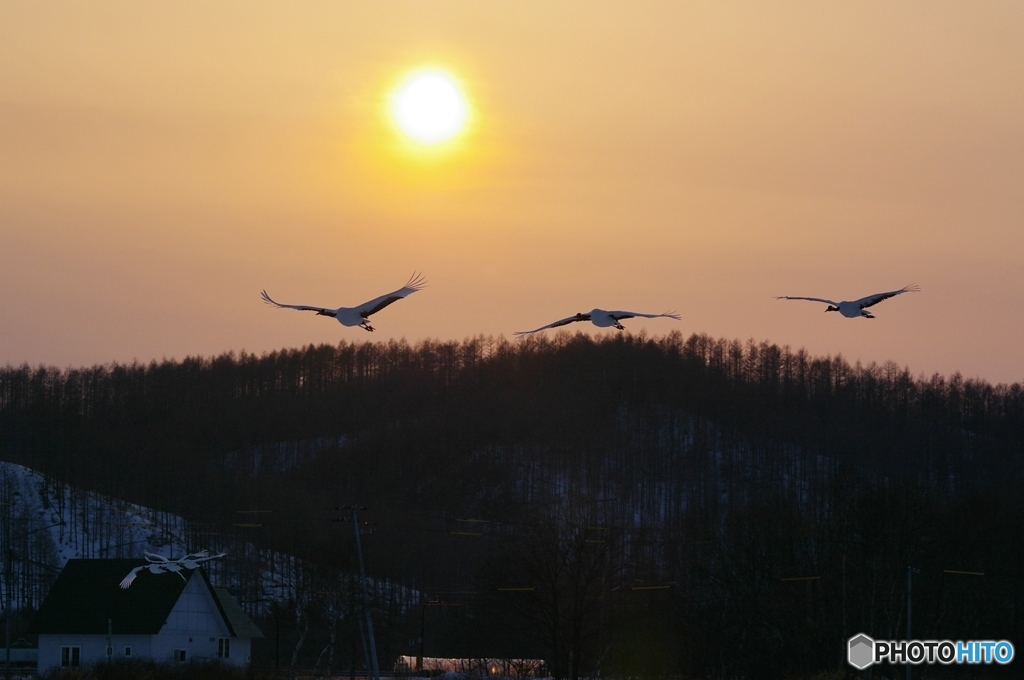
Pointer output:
x,y
860,651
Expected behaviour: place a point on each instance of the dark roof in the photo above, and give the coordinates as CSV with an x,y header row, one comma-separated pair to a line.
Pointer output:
x,y
87,594
239,623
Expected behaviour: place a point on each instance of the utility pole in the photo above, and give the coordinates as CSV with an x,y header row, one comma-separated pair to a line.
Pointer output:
x,y
423,623
366,596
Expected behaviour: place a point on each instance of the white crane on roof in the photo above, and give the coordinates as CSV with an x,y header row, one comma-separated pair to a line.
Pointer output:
x,y
193,560
154,568
158,564
357,316
601,319
853,309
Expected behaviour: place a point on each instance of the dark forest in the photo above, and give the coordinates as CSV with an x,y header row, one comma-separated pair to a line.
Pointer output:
x,y
627,506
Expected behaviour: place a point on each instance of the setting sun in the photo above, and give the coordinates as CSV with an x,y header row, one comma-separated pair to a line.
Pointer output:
x,y
429,107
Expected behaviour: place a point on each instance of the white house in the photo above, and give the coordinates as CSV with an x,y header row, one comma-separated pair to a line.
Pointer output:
x,y
87,618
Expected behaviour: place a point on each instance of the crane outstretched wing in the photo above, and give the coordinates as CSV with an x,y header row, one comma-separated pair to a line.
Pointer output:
x,y
878,297
812,299
416,282
618,316
556,324
127,580
301,308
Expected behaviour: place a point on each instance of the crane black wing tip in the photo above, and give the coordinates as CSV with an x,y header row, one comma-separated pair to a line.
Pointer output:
x,y
269,300
417,281
912,288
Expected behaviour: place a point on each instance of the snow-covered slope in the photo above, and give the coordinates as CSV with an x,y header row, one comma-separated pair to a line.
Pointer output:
x,y
82,524
45,523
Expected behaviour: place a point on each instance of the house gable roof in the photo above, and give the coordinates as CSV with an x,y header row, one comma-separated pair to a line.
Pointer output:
x,y
87,594
238,622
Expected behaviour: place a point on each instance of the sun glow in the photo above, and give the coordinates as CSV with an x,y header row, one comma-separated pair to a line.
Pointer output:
x,y
429,107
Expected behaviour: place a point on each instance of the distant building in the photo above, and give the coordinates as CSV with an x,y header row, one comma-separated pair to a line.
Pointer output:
x,y
24,658
508,668
87,618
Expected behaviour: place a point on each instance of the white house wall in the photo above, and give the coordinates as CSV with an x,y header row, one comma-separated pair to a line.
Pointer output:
x,y
195,612
94,648
195,625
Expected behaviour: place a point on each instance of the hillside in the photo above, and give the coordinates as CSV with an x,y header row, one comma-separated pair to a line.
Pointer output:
x,y
649,499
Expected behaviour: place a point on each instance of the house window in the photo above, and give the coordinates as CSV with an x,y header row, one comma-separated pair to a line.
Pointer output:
x,y
179,655
110,651
128,651
223,648
70,657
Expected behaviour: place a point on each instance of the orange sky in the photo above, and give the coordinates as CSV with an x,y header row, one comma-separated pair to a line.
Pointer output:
x,y
160,165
